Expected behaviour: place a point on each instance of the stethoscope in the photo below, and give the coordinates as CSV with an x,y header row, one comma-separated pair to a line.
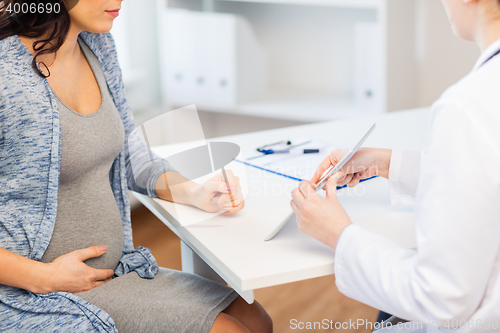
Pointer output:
x,y
493,56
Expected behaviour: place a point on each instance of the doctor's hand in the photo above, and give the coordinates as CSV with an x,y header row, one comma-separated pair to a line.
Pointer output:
x,y
214,195
366,163
323,219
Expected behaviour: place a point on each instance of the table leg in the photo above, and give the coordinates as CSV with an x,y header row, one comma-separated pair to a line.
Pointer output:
x,y
192,263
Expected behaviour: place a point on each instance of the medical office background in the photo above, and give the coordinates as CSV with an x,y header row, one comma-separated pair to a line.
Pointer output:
x,y
252,65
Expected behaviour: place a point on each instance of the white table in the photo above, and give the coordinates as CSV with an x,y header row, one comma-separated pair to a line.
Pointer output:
x,y
230,249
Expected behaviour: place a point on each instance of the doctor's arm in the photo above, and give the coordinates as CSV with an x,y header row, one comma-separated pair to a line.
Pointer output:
x,y
457,229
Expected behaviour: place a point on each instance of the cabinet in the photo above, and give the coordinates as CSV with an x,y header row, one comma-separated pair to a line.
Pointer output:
x,y
325,59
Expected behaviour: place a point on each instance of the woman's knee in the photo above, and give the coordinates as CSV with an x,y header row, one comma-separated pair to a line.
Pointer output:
x,y
264,324
225,323
252,316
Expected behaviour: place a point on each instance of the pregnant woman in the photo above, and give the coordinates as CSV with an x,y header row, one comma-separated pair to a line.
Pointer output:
x,y
67,262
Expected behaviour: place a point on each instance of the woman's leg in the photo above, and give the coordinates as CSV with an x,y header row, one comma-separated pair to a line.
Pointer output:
x,y
224,323
171,302
251,317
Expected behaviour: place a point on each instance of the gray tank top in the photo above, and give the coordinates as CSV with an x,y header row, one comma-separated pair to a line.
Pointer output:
x,y
87,213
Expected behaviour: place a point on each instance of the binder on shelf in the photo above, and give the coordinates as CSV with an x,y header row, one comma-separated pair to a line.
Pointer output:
x,y
222,59
212,59
368,72
180,51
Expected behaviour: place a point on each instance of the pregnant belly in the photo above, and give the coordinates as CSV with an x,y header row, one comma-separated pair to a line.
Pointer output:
x,y
85,220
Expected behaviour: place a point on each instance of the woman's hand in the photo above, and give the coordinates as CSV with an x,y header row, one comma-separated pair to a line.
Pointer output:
x,y
323,219
214,196
211,196
366,163
69,272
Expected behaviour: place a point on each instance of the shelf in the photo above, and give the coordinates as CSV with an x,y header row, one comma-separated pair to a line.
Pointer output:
x,y
349,53
362,4
288,105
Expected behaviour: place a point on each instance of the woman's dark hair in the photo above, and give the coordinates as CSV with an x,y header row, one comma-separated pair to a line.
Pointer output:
x,y
31,18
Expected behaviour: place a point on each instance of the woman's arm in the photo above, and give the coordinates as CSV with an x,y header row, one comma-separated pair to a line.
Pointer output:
x,y
66,273
18,271
211,196
174,187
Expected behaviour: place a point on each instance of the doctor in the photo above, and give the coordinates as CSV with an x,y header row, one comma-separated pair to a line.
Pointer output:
x,y
452,279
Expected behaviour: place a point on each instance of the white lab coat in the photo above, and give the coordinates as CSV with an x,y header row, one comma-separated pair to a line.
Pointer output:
x,y
455,187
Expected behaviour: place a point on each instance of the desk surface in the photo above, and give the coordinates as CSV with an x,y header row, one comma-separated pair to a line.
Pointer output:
x,y
233,245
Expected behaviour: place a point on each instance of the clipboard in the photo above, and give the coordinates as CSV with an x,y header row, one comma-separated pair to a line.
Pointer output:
x,y
295,166
276,165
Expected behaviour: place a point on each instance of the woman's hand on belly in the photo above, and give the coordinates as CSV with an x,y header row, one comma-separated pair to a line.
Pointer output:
x,y
69,273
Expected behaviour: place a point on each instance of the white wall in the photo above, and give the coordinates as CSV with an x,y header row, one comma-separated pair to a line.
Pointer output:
x,y
136,36
442,57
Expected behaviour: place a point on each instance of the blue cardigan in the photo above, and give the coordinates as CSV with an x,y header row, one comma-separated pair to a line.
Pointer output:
x,y
30,158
